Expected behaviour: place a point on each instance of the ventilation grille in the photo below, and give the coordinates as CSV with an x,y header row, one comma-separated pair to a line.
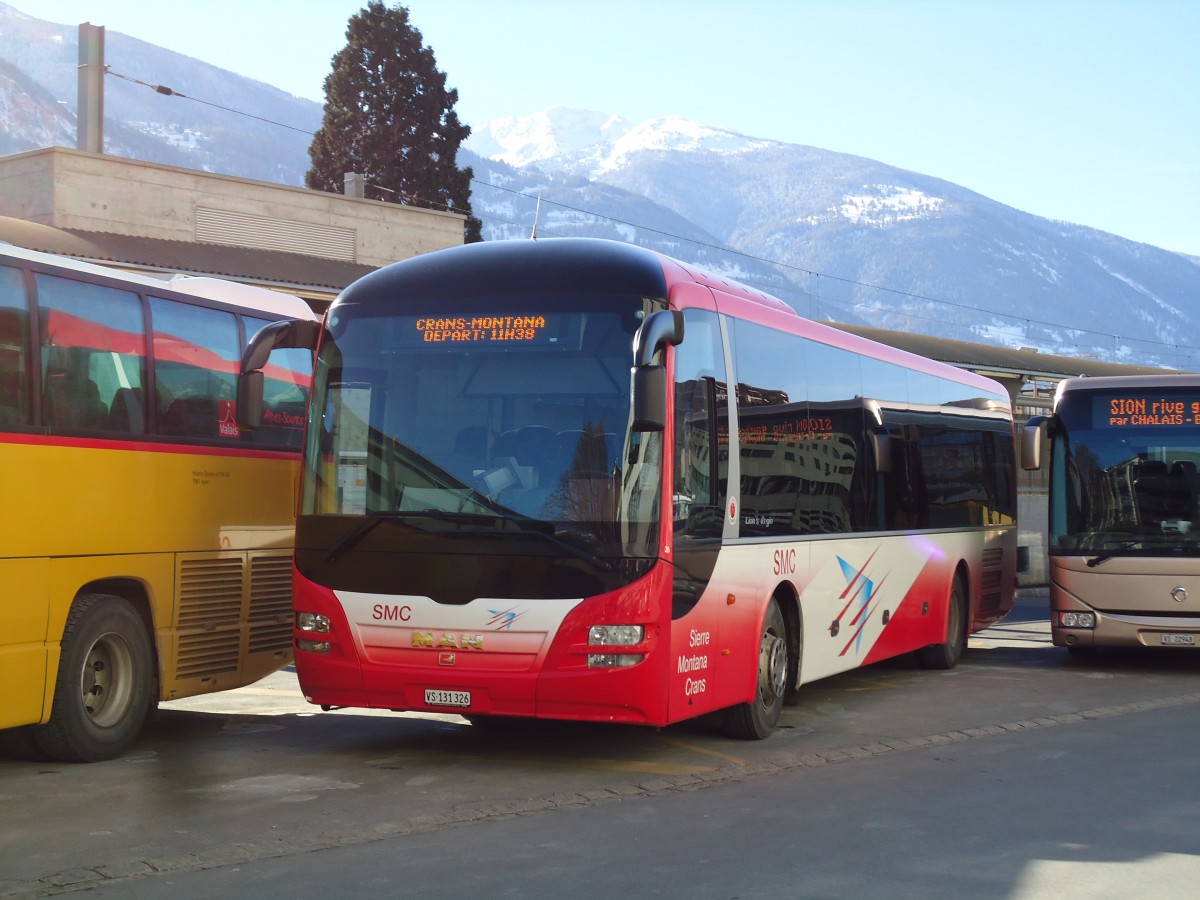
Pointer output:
x,y
221,226
208,654
270,604
991,579
210,592
210,612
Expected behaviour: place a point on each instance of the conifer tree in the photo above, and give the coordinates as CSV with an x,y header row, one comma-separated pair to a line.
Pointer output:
x,y
389,116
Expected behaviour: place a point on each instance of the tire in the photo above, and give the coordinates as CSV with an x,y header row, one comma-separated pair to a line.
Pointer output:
x,y
947,654
754,721
102,692
18,743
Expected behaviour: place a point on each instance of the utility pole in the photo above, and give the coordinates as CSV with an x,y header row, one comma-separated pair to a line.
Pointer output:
x,y
89,118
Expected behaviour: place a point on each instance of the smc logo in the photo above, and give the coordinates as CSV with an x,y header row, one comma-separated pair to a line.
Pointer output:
x,y
384,612
785,562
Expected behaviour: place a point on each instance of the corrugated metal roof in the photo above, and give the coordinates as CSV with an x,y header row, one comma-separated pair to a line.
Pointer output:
x,y
991,358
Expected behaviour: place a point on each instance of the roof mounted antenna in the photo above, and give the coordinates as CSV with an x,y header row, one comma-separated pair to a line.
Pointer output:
x,y
537,212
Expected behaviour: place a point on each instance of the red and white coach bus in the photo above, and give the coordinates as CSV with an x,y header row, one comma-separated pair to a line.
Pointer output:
x,y
575,479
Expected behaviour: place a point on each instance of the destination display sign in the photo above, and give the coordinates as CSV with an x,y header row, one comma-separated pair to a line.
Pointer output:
x,y
483,329
1154,411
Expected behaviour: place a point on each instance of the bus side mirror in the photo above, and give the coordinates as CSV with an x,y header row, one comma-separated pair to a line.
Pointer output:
x,y
250,399
293,333
648,382
649,398
1032,436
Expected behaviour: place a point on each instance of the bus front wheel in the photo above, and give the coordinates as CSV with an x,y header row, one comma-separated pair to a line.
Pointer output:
x,y
102,692
947,654
756,720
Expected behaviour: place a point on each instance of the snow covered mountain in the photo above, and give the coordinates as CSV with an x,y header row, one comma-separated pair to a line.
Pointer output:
x,y
842,237
839,237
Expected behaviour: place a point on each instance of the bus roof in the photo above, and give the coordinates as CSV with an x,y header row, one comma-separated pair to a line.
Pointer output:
x,y
1129,382
244,296
519,268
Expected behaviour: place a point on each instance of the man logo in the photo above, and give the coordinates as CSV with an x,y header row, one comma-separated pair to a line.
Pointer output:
x,y
447,640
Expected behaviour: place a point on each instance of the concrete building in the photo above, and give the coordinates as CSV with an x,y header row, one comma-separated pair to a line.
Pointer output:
x,y
162,220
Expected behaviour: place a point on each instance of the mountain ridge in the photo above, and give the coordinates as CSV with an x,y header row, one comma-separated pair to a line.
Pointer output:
x,y
837,236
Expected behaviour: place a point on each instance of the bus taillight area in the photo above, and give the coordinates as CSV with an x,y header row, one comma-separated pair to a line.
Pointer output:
x,y
600,658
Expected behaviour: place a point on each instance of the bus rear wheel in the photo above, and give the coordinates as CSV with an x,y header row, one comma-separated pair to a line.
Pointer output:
x,y
102,692
947,654
754,721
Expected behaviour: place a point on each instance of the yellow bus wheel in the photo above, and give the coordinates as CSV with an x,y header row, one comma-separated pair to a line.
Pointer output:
x,y
102,692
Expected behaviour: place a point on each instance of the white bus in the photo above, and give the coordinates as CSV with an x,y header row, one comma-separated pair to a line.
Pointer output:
x,y
1124,521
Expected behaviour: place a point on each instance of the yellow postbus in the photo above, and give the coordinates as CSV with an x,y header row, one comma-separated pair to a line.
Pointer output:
x,y
145,545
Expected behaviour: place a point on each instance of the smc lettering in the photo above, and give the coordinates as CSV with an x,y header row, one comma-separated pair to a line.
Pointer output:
x,y
385,612
785,562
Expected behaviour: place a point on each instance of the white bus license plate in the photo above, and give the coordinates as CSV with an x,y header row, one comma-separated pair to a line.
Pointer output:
x,y
1187,640
453,698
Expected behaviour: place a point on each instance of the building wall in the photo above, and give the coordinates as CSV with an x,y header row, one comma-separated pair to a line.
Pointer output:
x,y
73,189
1032,528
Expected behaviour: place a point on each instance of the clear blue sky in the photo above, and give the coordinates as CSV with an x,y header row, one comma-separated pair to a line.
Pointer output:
x,y
1082,110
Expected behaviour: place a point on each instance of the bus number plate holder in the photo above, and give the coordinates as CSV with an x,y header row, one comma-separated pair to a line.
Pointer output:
x,y
1184,640
460,699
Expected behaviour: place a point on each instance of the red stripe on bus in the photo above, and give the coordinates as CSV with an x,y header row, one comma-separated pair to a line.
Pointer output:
x,y
42,440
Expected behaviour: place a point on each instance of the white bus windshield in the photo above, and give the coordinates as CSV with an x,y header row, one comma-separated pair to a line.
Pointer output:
x,y
1124,477
497,418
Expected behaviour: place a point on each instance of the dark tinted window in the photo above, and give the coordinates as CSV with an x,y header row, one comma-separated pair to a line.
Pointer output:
x,y
701,438
812,418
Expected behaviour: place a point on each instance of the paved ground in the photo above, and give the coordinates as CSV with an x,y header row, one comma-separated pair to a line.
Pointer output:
x,y
257,773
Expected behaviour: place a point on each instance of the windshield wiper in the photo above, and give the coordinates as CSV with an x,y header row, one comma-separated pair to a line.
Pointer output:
x,y
525,525
521,524
1109,554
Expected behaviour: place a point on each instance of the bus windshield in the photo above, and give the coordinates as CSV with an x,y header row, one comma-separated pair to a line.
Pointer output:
x,y
1124,473
494,422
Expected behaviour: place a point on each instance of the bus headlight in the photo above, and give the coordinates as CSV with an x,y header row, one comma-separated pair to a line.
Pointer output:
x,y
615,636
312,646
1077,619
313,622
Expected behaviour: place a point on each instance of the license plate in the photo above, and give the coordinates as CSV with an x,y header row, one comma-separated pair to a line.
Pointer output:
x,y
458,698
1187,640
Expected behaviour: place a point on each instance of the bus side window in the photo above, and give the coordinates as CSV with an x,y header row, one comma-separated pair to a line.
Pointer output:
x,y
93,343
700,388
14,337
196,355
285,398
